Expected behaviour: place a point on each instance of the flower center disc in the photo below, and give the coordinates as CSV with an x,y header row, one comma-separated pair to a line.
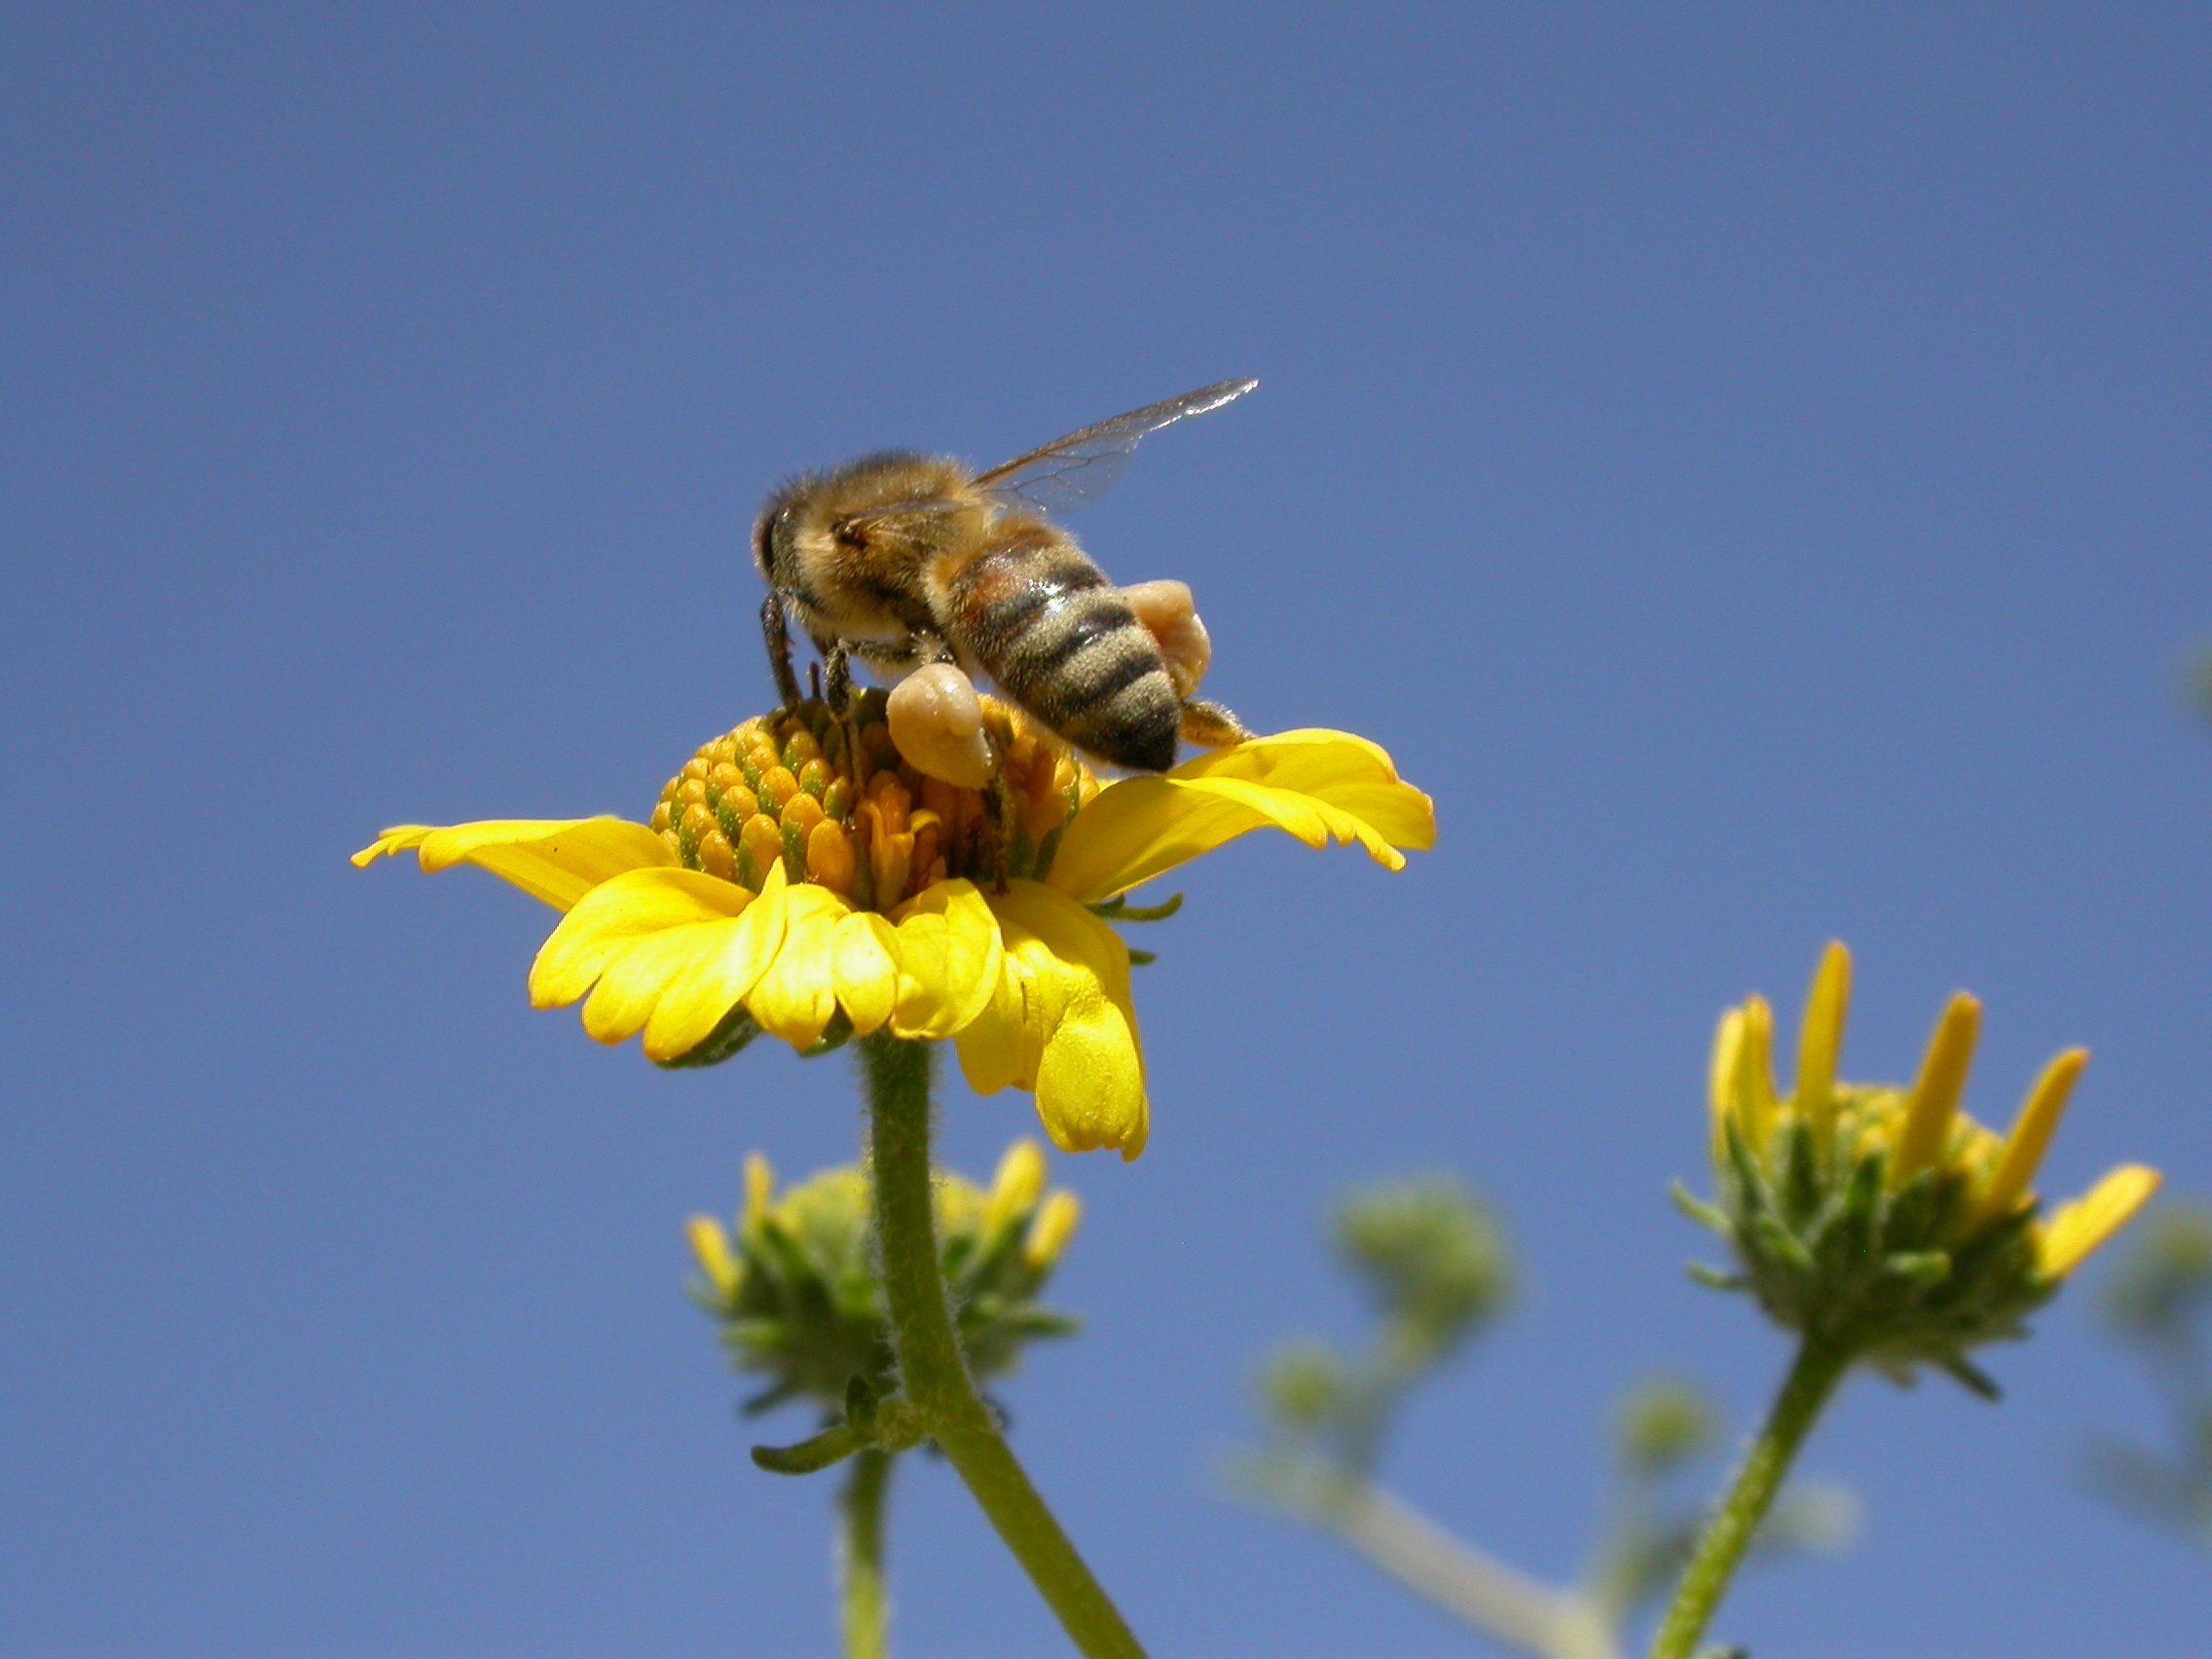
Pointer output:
x,y
866,823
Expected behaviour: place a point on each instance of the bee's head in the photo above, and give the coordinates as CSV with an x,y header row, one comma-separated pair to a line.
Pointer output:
x,y
771,535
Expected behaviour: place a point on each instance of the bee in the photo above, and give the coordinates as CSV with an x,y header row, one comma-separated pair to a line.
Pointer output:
x,y
907,559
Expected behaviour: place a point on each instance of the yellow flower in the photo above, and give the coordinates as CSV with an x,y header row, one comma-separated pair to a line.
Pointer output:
x,y
1887,1209
785,887
792,1285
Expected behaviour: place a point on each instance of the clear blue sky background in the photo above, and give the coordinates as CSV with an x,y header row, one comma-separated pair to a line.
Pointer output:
x,y
1749,467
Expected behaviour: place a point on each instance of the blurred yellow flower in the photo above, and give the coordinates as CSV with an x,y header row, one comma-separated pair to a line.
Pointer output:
x,y
781,889
1920,1128
792,1284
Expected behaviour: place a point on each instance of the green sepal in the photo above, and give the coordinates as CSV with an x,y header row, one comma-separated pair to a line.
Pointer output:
x,y
1698,1210
1777,1241
1122,910
735,1030
1920,1267
834,1036
1971,1378
1715,1278
834,1445
1801,1174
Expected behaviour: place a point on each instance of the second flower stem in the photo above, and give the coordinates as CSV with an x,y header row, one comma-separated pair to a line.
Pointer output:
x,y
934,1372
867,1612
1812,1378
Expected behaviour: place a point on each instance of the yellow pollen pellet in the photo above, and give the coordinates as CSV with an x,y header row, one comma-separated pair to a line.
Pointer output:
x,y
693,792
695,767
723,776
660,818
695,822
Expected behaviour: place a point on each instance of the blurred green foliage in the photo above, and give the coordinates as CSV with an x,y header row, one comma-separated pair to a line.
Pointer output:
x,y
2159,1302
1435,1269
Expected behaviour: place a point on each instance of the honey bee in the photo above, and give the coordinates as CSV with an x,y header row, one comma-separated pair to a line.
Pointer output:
x,y
906,560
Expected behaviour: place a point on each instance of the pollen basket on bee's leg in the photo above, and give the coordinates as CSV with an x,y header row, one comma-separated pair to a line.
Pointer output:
x,y
838,805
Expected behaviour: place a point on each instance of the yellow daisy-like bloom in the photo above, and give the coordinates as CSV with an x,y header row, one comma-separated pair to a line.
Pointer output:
x,y
792,1284
1885,1215
786,887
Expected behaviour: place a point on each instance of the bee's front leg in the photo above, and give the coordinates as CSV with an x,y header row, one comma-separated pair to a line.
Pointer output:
x,y
776,630
838,677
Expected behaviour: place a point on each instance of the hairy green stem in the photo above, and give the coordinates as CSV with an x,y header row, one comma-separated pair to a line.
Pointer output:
x,y
1819,1366
931,1367
867,1612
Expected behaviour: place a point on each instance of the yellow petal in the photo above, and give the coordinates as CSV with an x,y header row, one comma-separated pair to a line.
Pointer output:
x,y
865,967
1049,1233
2080,1227
1333,766
1089,1069
1756,1106
798,993
1017,1186
991,1046
721,974
615,916
710,1244
635,981
948,954
1720,1086
1943,1084
759,1188
556,860
1315,785
2031,1135
1820,1041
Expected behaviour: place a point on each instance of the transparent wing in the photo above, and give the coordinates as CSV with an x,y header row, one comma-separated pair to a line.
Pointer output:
x,y
1072,472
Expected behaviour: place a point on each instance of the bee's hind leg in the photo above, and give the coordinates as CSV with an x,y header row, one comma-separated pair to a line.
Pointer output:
x,y
1209,726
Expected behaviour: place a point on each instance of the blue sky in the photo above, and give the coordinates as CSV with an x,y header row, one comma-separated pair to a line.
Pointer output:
x,y
1749,465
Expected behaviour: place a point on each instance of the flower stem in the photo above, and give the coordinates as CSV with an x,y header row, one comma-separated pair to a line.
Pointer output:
x,y
1819,1366
867,1611
931,1367
1510,1608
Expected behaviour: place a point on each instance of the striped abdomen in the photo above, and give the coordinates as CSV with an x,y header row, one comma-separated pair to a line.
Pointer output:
x,y
1063,644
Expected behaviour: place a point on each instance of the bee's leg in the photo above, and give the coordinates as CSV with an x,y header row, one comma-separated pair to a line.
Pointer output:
x,y
776,630
838,669
1209,726
837,693
998,803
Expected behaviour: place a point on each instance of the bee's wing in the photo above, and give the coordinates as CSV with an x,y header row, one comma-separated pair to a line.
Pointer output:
x,y
1078,469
